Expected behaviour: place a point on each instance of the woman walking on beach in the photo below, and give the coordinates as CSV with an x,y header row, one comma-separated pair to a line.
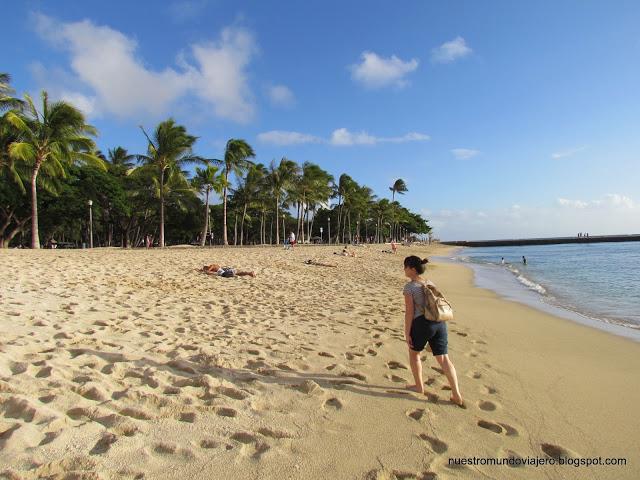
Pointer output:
x,y
419,331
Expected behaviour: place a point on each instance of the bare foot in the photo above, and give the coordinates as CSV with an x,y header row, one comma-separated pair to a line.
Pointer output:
x,y
415,388
457,399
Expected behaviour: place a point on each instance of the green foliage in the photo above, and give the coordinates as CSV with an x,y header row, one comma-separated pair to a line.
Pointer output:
x,y
135,196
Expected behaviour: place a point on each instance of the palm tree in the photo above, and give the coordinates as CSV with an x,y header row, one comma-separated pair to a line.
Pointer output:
x,y
314,187
206,180
7,101
50,140
120,161
236,160
400,187
250,188
169,150
279,179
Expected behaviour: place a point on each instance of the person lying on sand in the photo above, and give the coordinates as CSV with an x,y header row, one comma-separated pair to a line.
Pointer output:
x,y
419,331
312,261
215,269
346,253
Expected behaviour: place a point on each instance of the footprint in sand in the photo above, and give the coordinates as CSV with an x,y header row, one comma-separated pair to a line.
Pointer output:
x,y
272,433
489,390
498,427
326,354
355,375
103,445
438,369
209,443
244,437
486,405
189,417
436,444
233,393
48,437
506,453
393,365
396,378
556,451
332,403
493,427
416,414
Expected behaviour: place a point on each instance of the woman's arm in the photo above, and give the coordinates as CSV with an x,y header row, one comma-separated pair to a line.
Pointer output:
x,y
408,318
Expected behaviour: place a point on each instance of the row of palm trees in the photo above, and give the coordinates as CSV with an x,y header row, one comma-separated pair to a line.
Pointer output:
x,y
39,144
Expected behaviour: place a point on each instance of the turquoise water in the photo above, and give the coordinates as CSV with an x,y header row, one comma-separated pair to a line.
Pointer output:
x,y
600,281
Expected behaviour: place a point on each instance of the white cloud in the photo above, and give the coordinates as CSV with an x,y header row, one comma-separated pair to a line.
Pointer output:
x,y
607,215
342,136
221,78
281,96
464,153
339,137
105,62
451,51
610,200
280,137
567,153
376,72
565,202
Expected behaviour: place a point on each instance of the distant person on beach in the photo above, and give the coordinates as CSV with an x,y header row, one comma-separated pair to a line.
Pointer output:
x,y
524,260
419,331
319,264
215,269
394,247
502,261
292,239
346,252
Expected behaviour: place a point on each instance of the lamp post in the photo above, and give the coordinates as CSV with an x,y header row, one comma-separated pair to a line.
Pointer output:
x,y
321,235
90,203
329,230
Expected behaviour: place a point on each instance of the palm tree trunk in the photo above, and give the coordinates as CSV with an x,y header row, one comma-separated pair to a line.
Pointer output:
x,y
224,210
235,230
244,214
161,241
277,223
35,237
203,240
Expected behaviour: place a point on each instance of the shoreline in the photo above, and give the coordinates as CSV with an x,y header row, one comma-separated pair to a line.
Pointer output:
x,y
120,363
506,285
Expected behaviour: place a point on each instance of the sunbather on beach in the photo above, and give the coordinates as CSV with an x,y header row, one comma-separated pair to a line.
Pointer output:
x,y
319,264
215,269
346,253
419,331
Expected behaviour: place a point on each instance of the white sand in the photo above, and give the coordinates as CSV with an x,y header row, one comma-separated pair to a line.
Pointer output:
x,y
129,364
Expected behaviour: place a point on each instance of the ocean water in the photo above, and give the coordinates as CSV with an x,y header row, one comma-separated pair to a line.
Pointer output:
x,y
597,283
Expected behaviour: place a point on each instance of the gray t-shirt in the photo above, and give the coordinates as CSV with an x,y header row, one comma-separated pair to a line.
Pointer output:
x,y
415,289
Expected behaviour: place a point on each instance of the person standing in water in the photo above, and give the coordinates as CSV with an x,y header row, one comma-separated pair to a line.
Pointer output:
x,y
524,260
419,331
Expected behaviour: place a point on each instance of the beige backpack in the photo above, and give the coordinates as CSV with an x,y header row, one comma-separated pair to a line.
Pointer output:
x,y
437,308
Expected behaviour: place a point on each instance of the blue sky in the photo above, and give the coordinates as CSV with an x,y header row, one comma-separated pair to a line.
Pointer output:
x,y
504,118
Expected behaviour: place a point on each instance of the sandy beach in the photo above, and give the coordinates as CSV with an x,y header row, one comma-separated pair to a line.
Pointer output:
x,y
130,364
